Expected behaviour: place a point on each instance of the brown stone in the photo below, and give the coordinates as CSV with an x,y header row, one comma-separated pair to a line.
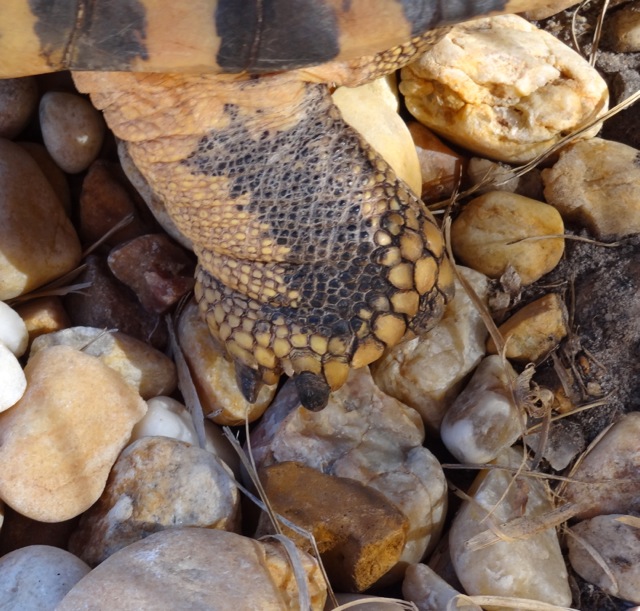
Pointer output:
x,y
18,101
359,533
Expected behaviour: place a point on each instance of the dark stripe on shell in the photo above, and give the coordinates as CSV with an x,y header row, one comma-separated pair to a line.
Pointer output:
x,y
260,36
425,15
92,34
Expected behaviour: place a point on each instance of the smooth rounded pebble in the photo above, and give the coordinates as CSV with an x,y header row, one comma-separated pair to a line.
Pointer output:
x,y
72,130
59,442
156,483
503,88
189,568
43,315
38,577
490,234
13,382
18,100
13,331
37,241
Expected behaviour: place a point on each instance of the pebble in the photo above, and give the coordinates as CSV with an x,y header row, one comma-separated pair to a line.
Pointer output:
x,y
146,369
549,8
58,443
595,184
483,420
617,544
43,315
107,304
429,592
167,417
564,441
13,382
373,603
158,271
214,376
368,436
359,538
156,483
607,477
72,130
13,331
104,202
532,567
37,241
372,110
503,88
534,330
427,374
38,577
56,177
484,233
18,101
625,29
188,568
441,167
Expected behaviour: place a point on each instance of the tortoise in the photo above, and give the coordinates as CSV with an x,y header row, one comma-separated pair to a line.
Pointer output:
x,y
313,256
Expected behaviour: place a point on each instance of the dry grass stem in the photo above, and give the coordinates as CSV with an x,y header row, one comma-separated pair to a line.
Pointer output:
x,y
577,410
598,33
506,602
121,224
55,288
565,236
394,603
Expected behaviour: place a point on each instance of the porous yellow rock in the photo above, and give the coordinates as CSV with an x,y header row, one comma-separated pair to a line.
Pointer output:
x,y
58,443
534,330
503,88
490,234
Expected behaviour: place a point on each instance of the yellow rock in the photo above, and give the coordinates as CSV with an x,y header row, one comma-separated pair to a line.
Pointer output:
x,y
490,233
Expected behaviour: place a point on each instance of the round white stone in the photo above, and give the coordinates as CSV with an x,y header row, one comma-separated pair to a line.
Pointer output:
x,y
12,380
13,331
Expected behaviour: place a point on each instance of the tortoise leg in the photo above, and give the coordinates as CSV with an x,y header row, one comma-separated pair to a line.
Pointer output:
x,y
313,256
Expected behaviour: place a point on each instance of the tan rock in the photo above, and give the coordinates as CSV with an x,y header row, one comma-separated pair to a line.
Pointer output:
x,y
367,436
372,110
43,315
606,480
146,369
595,183
615,566
58,443
427,373
188,568
37,240
534,330
214,376
441,167
489,235
360,537
503,88
531,567
156,483
18,101
72,130
483,420
624,26
546,9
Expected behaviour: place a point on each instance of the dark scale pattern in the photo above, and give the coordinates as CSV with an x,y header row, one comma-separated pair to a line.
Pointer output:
x,y
339,216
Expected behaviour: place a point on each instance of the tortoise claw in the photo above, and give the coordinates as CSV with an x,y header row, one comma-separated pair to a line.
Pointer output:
x,y
313,391
249,381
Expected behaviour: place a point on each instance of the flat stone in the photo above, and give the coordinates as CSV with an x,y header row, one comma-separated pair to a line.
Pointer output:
x,y
427,373
158,271
595,184
616,542
214,376
146,369
18,101
503,88
534,330
490,234
607,477
72,130
58,443
367,436
359,538
483,420
38,577
156,483
188,568
37,241
531,567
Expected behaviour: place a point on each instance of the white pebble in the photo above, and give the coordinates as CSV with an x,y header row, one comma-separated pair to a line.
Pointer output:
x,y
12,380
13,331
